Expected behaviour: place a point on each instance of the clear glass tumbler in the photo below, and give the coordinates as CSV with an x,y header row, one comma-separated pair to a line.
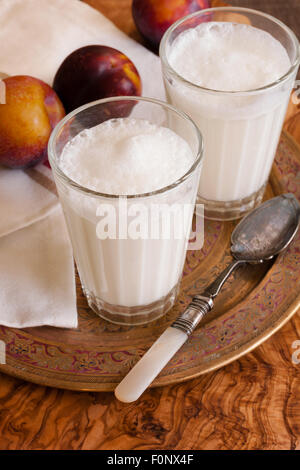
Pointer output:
x,y
240,129
128,277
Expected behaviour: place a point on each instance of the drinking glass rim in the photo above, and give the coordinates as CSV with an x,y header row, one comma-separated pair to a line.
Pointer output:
x,y
285,77
52,155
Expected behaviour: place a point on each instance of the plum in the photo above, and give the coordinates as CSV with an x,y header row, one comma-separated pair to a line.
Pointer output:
x,y
153,17
31,110
94,72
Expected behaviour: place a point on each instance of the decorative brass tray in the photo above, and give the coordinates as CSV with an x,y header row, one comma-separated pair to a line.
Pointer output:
x,y
254,304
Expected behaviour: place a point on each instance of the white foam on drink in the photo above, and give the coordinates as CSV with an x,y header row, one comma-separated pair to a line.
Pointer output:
x,y
126,156
228,56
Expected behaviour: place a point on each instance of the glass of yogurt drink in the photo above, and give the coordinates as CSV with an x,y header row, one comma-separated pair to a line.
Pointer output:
x,y
232,70
127,183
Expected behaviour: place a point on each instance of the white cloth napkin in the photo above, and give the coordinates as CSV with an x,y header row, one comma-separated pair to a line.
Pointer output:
x,y
25,197
37,283
37,275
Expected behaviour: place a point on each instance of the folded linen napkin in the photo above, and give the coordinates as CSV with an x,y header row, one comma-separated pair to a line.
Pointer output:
x,y
25,197
36,266
37,275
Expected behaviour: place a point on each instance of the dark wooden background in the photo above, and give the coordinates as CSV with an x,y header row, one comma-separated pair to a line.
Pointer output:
x,y
253,403
287,11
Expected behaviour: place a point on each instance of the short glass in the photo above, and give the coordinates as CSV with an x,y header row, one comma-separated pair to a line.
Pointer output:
x,y
128,277
241,130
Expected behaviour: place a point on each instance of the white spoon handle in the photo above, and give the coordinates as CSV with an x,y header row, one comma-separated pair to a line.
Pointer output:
x,y
147,368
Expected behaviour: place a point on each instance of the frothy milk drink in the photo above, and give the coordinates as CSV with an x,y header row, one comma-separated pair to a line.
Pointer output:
x,y
119,158
219,73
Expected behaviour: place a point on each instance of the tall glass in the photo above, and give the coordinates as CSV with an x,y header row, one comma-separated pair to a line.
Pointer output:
x,y
130,272
240,129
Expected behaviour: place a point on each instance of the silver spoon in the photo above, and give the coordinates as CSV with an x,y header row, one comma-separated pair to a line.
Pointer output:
x,y
259,236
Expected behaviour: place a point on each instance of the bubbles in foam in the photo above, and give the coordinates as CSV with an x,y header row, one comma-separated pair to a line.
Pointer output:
x,y
228,56
126,156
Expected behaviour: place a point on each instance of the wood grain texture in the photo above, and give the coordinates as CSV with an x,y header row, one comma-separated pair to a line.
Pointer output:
x,y
253,403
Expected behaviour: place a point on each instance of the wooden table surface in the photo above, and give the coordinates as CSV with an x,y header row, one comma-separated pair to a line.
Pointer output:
x,y
253,403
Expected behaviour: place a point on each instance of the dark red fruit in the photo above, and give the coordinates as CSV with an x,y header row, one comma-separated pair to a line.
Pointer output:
x,y
154,17
94,72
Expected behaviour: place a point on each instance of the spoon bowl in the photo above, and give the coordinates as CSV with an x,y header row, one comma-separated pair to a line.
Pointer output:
x,y
267,230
